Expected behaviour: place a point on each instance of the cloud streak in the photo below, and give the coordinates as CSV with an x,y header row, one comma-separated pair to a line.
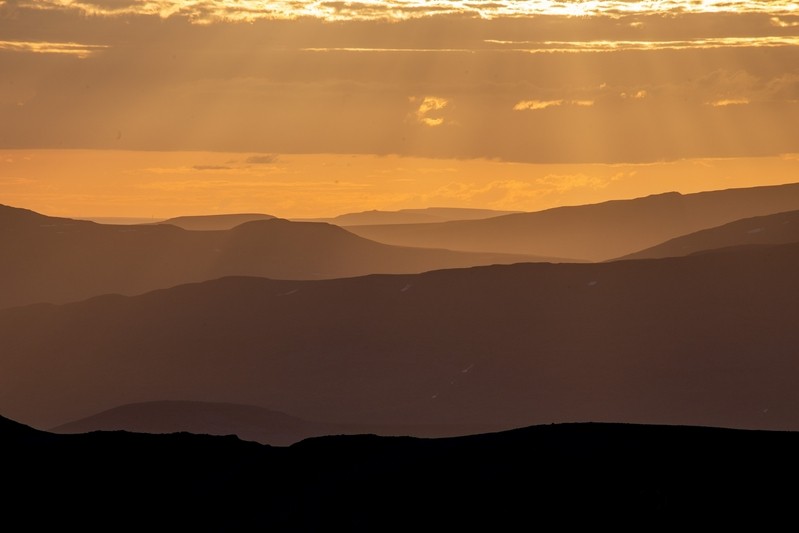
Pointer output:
x,y
539,47
588,46
537,105
724,102
267,159
39,47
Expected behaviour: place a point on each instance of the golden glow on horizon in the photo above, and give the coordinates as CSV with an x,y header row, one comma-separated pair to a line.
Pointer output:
x,y
205,11
106,183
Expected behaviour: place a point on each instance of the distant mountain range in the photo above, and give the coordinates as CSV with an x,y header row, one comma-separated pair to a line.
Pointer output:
x,y
586,474
410,216
707,339
594,232
53,259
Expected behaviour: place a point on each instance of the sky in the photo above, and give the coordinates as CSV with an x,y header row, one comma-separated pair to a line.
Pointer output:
x,y
158,108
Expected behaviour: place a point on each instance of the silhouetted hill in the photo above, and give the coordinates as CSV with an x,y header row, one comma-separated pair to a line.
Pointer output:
x,y
707,339
248,422
214,222
411,216
779,228
572,473
57,260
593,232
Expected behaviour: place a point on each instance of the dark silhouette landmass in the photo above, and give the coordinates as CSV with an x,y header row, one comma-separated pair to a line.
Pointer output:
x,y
411,216
707,339
214,222
594,232
56,260
780,228
569,473
248,422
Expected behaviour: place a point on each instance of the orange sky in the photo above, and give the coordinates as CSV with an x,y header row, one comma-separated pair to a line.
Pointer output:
x,y
107,183
166,107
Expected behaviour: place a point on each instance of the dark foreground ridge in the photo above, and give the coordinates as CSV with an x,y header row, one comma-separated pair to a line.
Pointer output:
x,y
597,473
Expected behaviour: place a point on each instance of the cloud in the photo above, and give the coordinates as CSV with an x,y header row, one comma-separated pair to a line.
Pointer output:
x,y
586,46
780,23
40,47
430,105
266,159
111,4
784,88
205,11
534,105
637,95
407,50
621,45
724,102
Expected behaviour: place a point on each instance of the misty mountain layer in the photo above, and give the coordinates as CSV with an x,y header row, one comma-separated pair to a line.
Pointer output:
x,y
595,232
57,260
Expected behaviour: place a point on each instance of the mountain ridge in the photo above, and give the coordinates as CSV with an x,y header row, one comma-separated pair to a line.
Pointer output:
x,y
779,228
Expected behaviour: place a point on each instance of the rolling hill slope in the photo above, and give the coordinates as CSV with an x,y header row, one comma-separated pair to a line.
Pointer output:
x,y
780,228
